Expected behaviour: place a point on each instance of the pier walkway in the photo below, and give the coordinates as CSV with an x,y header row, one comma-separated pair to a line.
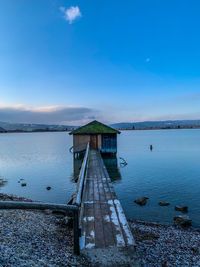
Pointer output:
x,y
105,233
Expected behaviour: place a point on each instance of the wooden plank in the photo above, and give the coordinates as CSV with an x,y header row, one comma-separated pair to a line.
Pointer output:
x,y
105,195
89,231
98,224
102,196
107,226
90,196
104,221
99,237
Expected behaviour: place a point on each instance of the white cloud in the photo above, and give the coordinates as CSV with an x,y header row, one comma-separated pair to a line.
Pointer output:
x,y
71,13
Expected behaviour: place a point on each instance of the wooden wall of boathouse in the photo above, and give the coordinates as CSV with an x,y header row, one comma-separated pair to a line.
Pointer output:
x,y
106,143
80,142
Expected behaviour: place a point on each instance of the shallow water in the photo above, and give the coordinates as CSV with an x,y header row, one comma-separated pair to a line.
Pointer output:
x,y
170,172
41,159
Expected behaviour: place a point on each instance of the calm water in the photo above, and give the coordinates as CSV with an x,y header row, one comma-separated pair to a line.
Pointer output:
x,y
171,172
41,159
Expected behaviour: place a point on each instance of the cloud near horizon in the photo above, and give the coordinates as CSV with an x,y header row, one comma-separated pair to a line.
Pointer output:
x,y
71,14
47,115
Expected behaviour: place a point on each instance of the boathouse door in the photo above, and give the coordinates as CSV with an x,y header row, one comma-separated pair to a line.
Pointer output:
x,y
93,141
109,143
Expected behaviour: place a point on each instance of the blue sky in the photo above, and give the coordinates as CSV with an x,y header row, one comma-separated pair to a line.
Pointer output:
x,y
110,60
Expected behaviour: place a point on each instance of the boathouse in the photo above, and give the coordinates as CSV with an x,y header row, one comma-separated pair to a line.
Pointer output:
x,y
101,137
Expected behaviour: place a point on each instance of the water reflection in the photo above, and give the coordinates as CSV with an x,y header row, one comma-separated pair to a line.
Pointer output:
x,y
111,164
77,162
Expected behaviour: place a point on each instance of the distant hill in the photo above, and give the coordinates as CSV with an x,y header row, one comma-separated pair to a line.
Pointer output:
x,y
33,127
24,127
157,124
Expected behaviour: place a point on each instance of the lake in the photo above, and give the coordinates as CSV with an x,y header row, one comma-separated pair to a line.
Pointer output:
x,y
170,172
41,159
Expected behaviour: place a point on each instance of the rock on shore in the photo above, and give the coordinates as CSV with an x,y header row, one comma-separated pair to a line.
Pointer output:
x,y
183,220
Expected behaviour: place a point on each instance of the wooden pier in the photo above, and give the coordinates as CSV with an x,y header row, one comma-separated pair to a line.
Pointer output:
x,y
104,227
103,222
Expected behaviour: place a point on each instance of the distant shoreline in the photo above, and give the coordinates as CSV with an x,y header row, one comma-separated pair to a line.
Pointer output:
x,y
120,129
35,131
160,128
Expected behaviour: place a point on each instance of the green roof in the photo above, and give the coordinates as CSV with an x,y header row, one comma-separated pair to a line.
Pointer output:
x,y
95,127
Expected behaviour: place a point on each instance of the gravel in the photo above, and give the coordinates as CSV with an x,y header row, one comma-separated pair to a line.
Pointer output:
x,y
35,238
160,245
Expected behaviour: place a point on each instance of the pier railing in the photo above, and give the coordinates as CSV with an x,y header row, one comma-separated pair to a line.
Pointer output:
x,y
81,177
78,200
75,207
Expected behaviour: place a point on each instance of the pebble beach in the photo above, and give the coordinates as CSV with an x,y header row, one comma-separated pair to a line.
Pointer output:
x,y
160,245
35,238
40,238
